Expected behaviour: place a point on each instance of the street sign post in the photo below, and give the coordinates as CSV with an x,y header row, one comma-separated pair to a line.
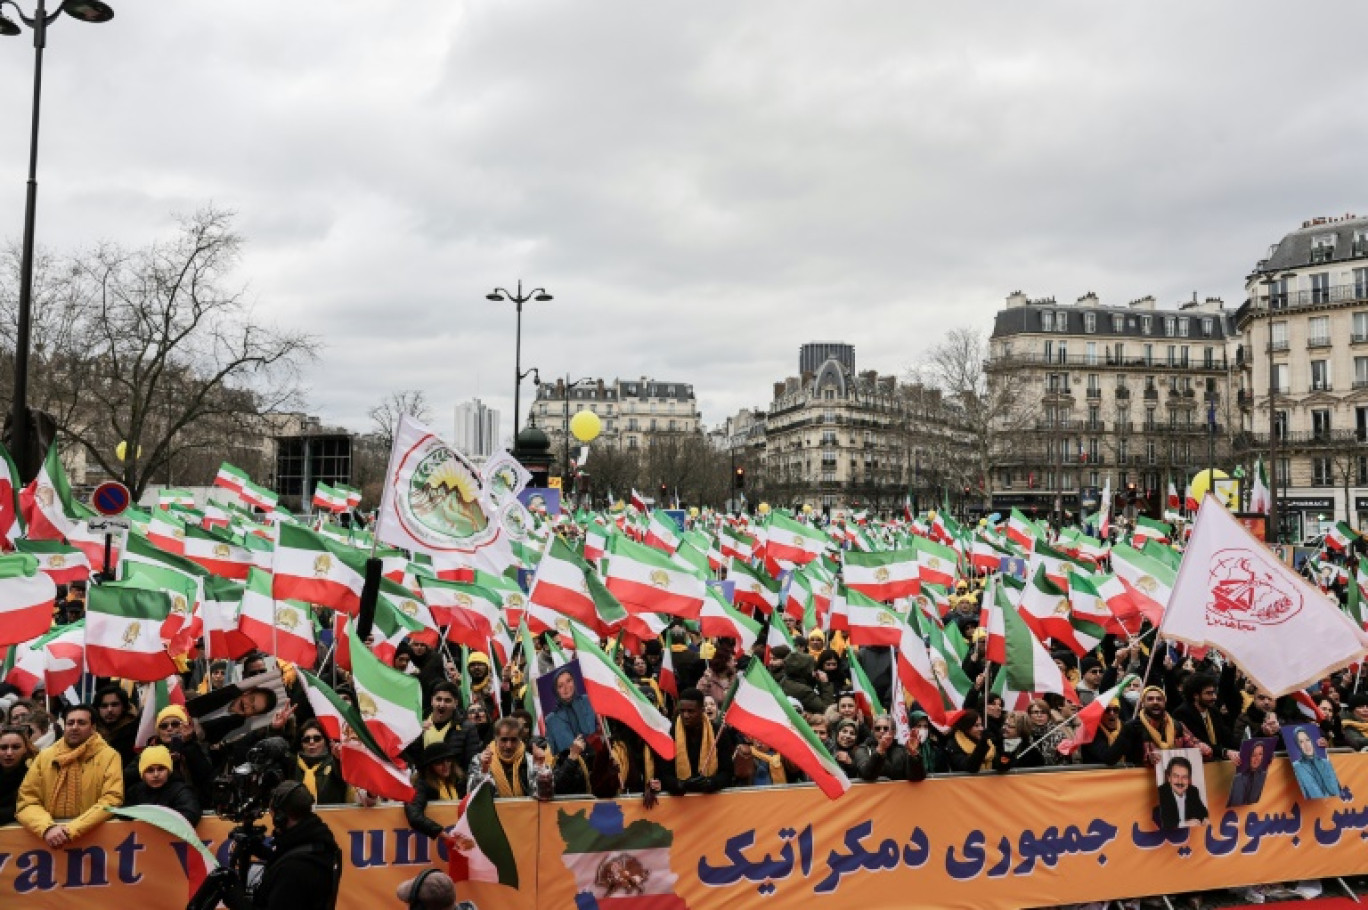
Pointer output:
x,y
110,499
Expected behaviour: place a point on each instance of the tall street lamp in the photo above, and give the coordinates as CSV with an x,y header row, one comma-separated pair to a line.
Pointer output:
x,y
518,300
1271,282
21,437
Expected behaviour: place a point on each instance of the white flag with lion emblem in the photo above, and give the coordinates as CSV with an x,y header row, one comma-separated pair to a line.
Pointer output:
x,y
1232,593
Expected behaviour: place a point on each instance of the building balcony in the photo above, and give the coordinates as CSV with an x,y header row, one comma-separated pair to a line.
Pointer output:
x,y
1151,394
1027,359
1308,298
1307,439
1278,346
1123,393
1319,342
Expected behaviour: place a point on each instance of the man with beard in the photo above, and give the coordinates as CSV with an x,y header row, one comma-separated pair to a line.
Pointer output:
x,y
703,757
118,722
513,766
484,689
1108,731
305,867
1151,731
1203,712
71,783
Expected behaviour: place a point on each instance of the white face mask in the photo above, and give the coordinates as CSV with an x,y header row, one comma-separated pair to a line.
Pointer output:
x,y
1131,696
1011,743
922,733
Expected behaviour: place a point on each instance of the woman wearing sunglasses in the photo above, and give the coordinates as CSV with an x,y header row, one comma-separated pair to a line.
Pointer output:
x,y
317,770
189,759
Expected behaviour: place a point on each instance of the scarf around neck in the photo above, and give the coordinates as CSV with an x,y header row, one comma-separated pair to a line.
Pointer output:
x,y
66,789
506,784
707,754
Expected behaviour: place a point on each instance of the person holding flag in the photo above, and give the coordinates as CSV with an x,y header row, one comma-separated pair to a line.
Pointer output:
x,y
703,761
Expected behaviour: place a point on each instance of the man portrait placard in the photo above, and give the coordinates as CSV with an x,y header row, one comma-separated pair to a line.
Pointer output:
x,y
1256,755
231,712
1182,789
565,705
1306,748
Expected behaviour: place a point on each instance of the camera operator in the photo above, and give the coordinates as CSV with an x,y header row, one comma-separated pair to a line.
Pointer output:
x,y
305,866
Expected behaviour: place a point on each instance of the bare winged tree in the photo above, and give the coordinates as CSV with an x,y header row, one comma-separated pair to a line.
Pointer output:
x,y
385,416
992,408
156,348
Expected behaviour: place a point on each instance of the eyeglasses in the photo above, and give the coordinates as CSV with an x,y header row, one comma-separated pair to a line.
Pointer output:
x,y
509,739
882,729
170,725
311,739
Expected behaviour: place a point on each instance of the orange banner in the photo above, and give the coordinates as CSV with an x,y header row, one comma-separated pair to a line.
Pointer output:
x,y
1023,840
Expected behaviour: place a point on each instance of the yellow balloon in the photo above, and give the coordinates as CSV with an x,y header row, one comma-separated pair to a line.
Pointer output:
x,y
585,426
931,516
1202,482
763,508
121,451
807,509
693,511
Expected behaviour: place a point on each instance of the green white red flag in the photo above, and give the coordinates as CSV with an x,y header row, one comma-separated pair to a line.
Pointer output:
x,y
937,563
793,541
364,764
61,562
123,631
869,622
1147,581
390,702
220,610
761,711
753,587
11,515
199,860
613,695
329,498
1090,717
27,598
317,570
283,628
645,580
47,504
1029,667
482,852
883,575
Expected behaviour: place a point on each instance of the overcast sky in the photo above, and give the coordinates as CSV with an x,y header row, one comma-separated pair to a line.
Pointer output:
x,y
703,186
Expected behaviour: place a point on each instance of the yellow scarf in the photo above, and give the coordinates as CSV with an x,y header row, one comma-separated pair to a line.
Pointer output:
x,y
1165,741
584,768
969,747
502,783
707,755
435,734
1110,734
446,790
623,759
309,780
1211,731
66,790
1358,726
775,762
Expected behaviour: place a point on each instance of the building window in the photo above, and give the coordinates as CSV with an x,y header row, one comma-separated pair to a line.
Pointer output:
x,y
1182,327
1360,372
1362,478
1049,351
1150,456
1145,325
1360,284
1090,353
1046,321
1279,335
1321,475
1282,472
1361,423
1062,322
1320,375
1183,355
1090,322
631,442
1123,449
1280,425
1173,355
1118,324
1209,358
1320,423
1318,331
1149,355
1170,324
1320,287
1149,419
1063,352
1280,378
1207,325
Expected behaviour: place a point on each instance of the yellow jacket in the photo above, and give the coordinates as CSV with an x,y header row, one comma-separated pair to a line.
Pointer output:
x,y
101,786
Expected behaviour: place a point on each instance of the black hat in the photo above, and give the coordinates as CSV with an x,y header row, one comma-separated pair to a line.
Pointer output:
x,y
1358,701
434,753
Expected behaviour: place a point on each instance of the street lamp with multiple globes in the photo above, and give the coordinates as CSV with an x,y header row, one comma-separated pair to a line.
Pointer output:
x,y
21,437
518,300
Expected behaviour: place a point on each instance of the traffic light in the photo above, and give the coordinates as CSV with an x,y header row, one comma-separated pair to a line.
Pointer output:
x,y
1131,492
739,481
662,493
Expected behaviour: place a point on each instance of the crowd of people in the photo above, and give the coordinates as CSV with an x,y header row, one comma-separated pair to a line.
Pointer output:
x,y
62,763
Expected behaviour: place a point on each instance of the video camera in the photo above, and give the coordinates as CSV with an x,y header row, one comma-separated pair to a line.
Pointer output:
x,y
242,793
